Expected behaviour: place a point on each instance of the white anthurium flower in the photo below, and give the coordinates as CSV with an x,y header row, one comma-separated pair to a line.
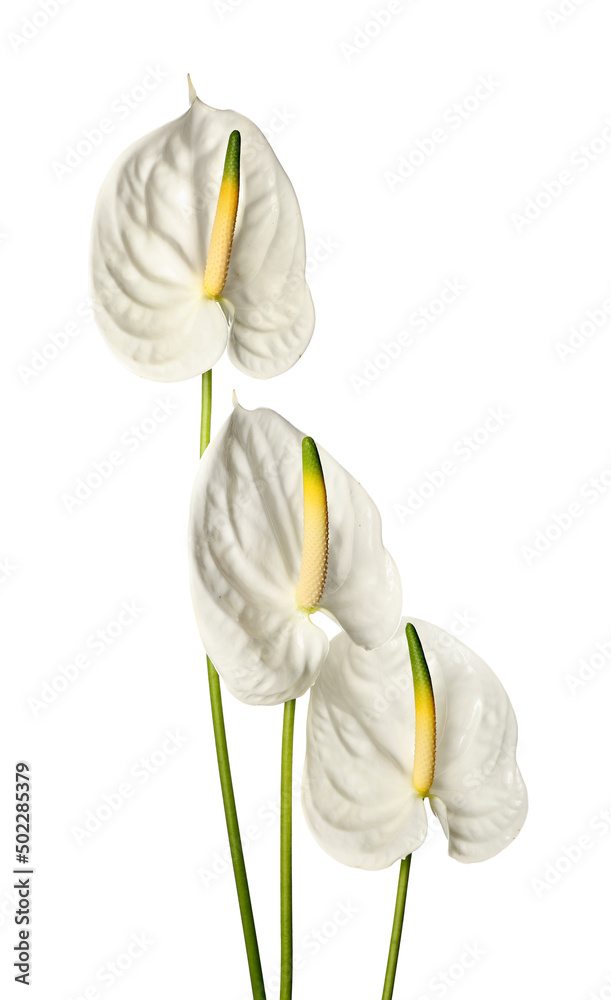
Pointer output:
x,y
198,243
278,530
380,741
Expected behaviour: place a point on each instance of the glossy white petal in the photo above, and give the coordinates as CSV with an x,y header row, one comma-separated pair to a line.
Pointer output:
x,y
245,539
358,796
150,241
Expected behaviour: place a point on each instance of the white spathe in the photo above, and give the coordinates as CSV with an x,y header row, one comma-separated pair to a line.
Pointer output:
x,y
358,795
245,545
150,241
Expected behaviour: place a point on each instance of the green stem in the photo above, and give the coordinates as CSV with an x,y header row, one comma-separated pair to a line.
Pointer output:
x,y
286,854
220,740
204,436
235,840
397,928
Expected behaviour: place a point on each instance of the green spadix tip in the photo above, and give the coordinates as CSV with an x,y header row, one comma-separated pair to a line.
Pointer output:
x,y
231,170
424,704
312,465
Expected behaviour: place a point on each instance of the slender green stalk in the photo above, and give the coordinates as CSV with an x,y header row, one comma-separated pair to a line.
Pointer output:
x,y
397,928
286,854
204,436
220,739
235,841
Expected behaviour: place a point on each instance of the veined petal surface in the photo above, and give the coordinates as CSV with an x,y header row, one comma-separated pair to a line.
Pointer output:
x,y
150,241
245,545
358,793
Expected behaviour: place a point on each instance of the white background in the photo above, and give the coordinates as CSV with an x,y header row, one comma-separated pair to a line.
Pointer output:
x,y
340,117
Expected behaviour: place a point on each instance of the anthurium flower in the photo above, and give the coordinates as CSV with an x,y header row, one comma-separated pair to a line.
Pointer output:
x,y
198,242
278,530
386,730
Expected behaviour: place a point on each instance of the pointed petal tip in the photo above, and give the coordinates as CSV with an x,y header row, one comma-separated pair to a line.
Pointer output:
x,y
192,93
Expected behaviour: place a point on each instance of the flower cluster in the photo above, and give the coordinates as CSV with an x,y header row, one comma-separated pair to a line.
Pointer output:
x,y
198,245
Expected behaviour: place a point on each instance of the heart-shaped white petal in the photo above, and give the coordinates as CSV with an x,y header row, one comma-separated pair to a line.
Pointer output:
x,y
150,241
358,795
245,544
